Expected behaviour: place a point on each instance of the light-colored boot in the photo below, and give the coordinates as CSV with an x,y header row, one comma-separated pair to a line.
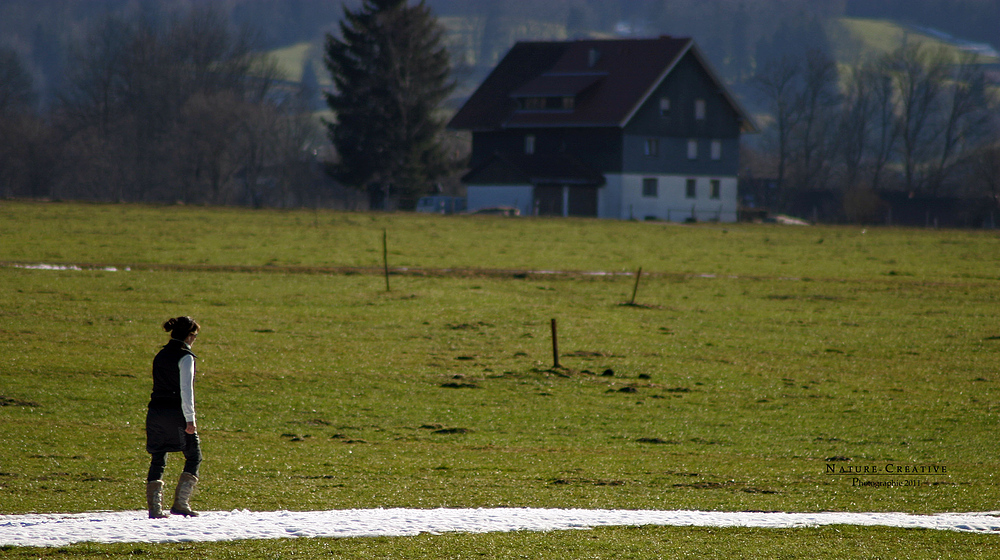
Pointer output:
x,y
182,496
154,499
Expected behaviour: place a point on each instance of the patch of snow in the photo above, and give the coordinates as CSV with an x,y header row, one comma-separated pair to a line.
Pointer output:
x,y
50,529
65,267
790,221
48,266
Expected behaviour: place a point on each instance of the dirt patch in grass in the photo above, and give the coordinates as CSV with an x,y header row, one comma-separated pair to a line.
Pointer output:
x,y
467,326
448,431
657,441
704,485
9,401
591,354
459,385
586,481
639,305
751,490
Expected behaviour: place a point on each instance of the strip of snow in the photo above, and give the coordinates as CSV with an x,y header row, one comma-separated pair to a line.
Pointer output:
x,y
48,266
64,267
134,526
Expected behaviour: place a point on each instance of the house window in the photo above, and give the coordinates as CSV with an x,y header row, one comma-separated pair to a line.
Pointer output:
x,y
699,109
716,188
649,187
529,144
692,149
652,147
690,191
664,106
554,103
534,103
716,149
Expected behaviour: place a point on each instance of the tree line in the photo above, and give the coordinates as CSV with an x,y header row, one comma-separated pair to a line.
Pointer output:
x,y
159,105
185,108
917,120
181,109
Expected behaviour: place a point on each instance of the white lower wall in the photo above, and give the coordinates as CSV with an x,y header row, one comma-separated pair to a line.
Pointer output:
x,y
621,198
609,198
671,202
517,196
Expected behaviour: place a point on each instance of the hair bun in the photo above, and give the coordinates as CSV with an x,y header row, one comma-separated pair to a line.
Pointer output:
x,y
180,327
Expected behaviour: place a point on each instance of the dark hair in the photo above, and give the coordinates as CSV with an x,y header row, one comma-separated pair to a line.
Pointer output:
x,y
181,327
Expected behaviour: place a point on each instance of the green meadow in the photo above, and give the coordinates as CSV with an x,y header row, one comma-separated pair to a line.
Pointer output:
x,y
755,359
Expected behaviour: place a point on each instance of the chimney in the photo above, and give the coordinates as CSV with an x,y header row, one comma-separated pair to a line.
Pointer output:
x,y
593,57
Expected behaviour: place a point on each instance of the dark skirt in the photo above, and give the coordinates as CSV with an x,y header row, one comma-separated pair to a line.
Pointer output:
x,y
165,430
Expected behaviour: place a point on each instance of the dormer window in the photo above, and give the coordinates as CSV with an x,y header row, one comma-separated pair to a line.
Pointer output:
x,y
556,91
534,103
565,102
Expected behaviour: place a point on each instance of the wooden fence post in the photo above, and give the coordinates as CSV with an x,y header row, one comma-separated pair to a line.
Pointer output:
x,y
555,346
636,287
385,256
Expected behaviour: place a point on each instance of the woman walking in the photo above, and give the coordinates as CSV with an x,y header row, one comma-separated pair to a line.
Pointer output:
x,y
170,420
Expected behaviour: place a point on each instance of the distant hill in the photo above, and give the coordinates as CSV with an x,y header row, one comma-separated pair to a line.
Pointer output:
x,y
44,32
852,38
291,60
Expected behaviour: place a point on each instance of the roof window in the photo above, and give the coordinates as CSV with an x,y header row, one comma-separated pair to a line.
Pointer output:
x,y
549,103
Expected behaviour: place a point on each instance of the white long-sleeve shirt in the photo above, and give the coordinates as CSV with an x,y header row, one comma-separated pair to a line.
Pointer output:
x,y
187,386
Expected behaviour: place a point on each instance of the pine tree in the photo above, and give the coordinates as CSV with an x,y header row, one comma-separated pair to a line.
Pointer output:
x,y
391,73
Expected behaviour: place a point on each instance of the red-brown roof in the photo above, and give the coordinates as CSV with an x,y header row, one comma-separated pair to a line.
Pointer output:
x,y
550,84
610,79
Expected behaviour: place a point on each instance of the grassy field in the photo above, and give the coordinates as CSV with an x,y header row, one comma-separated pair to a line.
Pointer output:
x,y
756,356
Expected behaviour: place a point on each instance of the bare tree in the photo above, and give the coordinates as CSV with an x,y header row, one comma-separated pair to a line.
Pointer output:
x,y
205,154
20,129
919,76
985,164
168,112
16,90
90,111
854,135
815,105
779,83
885,133
965,117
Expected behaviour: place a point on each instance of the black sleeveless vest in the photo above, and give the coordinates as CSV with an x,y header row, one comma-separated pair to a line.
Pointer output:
x,y
167,375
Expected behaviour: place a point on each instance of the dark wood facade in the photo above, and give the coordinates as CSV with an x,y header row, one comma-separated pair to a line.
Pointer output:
x,y
617,108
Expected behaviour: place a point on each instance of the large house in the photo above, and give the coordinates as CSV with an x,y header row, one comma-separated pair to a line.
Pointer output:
x,y
626,129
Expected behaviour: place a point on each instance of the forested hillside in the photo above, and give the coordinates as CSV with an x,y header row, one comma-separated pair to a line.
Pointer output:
x,y
736,34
